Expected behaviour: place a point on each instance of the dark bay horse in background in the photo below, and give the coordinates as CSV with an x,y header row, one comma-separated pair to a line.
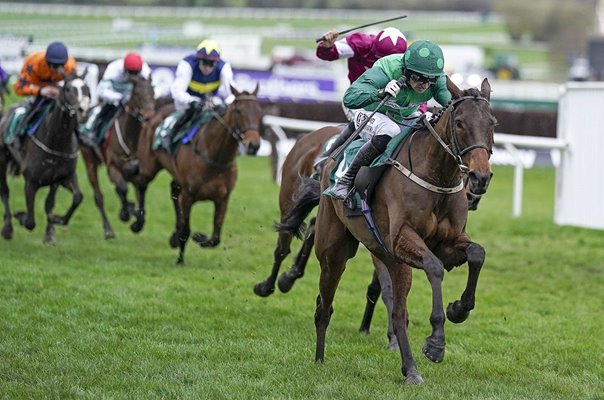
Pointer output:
x,y
50,158
299,163
420,213
205,168
120,148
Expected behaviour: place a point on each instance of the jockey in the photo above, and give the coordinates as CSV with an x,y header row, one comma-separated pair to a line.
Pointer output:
x,y
3,78
114,91
362,51
203,80
40,74
421,71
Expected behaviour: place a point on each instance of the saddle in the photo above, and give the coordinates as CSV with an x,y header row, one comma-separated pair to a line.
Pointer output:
x,y
184,134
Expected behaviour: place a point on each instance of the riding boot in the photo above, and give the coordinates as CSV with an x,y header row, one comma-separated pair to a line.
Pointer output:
x,y
340,140
367,153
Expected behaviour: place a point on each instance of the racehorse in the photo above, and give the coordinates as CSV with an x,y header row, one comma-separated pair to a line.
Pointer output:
x,y
418,220
299,163
119,149
50,158
204,169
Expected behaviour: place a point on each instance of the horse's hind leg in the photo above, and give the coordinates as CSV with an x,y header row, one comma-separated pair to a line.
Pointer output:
x,y
7,229
267,287
121,188
459,310
373,293
288,278
141,190
185,225
93,178
175,190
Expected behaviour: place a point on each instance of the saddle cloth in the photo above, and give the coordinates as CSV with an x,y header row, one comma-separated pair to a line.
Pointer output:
x,y
184,135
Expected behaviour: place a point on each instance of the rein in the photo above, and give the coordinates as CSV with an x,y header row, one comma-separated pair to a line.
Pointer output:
x,y
72,112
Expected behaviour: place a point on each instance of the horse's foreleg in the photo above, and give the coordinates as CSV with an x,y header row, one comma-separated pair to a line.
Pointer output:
x,y
185,225
408,246
93,178
400,275
175,190
141,190
49,205
73,186
121,188
288,278
459,310
7,229
27,218
267,287
220,209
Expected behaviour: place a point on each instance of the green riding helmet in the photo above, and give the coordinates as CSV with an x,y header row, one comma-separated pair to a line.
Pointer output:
x,y
425,57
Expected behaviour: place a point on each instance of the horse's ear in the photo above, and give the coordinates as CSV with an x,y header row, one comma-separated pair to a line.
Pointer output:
x,y
485,89
453,89
235,91
255,92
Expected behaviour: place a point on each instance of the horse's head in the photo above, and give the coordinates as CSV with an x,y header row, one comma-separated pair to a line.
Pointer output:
x,y
246,116
141,104
75,96
471,126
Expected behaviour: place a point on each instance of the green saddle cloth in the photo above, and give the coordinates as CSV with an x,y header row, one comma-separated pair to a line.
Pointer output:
x,y
345,159
184,135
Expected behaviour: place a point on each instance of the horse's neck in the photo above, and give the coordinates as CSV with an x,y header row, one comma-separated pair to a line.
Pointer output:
x,y
57,128
429,159
215,140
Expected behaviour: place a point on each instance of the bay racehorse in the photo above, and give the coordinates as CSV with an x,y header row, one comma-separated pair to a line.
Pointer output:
x,y
50,158
205,168
419,214
119,149
299,163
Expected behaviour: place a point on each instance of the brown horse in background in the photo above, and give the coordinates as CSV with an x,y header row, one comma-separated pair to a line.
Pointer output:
x,y
119,149
299,163
205,168
50,158
425,229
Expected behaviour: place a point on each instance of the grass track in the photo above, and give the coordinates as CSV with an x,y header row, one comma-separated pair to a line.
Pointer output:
x,y
91,318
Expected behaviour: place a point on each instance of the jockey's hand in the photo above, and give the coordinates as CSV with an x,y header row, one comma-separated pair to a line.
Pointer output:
x,y
392,89
329,38
50,91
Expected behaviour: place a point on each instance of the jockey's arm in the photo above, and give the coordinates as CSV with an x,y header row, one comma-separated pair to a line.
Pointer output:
x,y
182,77
340,49
224,92
106,92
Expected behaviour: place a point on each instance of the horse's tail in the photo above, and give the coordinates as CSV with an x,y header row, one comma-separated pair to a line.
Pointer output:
x,y
306,199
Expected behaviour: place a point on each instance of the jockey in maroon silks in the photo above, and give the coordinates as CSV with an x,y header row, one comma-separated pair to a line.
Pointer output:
x,y
361,51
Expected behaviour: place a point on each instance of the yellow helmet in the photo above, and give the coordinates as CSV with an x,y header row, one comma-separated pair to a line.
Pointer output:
x,y
209,50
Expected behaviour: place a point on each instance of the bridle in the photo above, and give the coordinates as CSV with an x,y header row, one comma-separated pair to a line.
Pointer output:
x,y
234,129
453,150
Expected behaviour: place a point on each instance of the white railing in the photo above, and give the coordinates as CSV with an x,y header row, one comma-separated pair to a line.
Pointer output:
x,y
511,143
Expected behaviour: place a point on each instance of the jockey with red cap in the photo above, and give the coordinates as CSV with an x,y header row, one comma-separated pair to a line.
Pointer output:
x,y
113,91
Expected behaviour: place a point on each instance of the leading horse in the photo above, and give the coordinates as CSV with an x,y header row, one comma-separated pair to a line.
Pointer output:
x,y
119,148
50,158
419,213
205,168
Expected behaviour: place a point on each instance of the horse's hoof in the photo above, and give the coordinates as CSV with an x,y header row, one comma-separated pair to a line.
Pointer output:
x,y
136,227
456,313
286,282
433,352
393,344
124,215
263,289
180,262
414,379
7,233
50,241
109,235
56,220
203,240
174,242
